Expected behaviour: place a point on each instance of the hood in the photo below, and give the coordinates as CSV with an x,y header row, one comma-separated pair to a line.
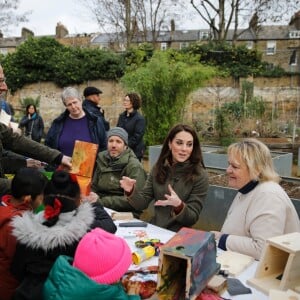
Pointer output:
x,y
70,227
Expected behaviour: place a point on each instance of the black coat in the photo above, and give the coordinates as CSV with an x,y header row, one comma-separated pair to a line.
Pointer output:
x,y
135,125
97,111
34,127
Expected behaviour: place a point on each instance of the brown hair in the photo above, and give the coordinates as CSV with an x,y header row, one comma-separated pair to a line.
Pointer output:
x,y
135,99
196,158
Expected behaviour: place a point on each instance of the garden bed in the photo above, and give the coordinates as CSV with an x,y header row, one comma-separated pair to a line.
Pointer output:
x,y
292,188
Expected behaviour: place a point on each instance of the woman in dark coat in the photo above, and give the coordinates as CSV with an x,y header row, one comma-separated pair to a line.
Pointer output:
x,y
33,123
134,123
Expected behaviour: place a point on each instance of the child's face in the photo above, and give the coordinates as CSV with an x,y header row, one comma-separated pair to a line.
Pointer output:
x,y
37,201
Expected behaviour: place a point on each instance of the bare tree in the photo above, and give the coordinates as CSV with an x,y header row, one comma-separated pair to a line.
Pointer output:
x,y
134,18
8,15
222,15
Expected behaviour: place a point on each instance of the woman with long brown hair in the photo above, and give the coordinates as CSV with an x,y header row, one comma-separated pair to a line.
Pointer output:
x,y
177,183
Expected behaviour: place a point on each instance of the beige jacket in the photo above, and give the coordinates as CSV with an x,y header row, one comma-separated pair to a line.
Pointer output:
x,y
252,218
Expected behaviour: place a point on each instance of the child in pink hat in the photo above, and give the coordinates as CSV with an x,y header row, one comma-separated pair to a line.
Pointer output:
x,y
100,260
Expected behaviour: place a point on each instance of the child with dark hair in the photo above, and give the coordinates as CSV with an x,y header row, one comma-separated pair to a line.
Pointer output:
x,y
27,190
55,231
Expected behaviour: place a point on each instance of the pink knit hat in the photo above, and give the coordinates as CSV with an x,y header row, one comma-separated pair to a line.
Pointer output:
x,y
102,256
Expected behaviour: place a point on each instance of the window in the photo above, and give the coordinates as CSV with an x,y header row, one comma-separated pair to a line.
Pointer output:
x,y
204,35
294,34
293,58
271,48
249,45
184,45
163,46
3,51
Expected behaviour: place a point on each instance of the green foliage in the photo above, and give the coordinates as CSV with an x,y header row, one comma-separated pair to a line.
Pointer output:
x,y
222,125
136,56
269,70
44,59
29,100
164,84
238,61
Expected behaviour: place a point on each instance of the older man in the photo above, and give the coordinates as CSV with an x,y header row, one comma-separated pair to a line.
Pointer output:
x,y
117,161
92,102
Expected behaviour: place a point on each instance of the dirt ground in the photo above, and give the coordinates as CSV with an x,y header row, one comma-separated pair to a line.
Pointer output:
x,y
291,188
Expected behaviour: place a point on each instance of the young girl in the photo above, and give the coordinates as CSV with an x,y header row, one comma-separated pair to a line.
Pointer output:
x,y
27,189
55,231
101,259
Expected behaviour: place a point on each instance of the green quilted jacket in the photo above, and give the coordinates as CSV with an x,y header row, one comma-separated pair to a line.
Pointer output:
x,y
68,283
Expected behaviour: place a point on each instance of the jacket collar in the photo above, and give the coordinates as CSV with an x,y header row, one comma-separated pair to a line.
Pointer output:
x,y
70,227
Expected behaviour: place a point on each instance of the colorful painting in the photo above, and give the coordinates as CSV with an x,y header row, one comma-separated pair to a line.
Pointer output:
x,y
83,162
192,254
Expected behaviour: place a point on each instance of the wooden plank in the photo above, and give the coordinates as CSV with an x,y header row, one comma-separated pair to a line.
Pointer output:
x,y
234,262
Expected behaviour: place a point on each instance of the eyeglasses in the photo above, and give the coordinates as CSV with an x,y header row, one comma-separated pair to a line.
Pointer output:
x,y
2,80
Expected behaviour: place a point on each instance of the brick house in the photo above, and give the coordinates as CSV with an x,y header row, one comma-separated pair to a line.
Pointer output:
x,y
279,44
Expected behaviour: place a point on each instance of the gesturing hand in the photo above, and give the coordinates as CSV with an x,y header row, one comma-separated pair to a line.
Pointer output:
x,y
127,184
91,197
172,199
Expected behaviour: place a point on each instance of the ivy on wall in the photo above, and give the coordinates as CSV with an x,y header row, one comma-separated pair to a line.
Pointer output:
x,y
45,59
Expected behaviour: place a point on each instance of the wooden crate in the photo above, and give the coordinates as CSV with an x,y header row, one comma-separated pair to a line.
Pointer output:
x,y
279,267
186,264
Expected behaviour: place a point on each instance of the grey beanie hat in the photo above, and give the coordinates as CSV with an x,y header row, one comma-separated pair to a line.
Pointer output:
x,y
120,132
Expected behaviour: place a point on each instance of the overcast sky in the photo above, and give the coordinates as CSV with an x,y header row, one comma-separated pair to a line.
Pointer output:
x,y
46,14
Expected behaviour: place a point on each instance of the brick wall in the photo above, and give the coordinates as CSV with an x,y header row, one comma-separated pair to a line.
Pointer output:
x,y
282,93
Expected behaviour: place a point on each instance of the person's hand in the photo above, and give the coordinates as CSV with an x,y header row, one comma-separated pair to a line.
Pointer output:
x,y
66,163
127,184
91,197
32,163
217,234
133,288
171,200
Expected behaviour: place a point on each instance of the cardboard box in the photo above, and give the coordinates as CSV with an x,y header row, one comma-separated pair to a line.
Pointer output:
x,y
279,266
186,264
83,162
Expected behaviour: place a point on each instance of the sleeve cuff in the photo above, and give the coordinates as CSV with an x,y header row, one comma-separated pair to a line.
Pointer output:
x,y
179,208
58,159
222,241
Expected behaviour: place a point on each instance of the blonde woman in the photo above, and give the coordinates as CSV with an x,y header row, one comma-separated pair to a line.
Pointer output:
x,y
261,209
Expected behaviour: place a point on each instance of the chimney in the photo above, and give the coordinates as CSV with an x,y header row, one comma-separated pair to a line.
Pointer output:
x,y
60,30
26,33
172,25
295,20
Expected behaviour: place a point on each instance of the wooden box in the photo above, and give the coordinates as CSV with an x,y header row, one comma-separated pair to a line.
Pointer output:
x,y
279,267
186,263
83,162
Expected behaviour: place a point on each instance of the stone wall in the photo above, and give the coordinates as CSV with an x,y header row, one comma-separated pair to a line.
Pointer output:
x,y
282,94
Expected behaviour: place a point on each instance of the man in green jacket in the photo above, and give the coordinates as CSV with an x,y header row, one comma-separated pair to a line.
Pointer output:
x,y
117,161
